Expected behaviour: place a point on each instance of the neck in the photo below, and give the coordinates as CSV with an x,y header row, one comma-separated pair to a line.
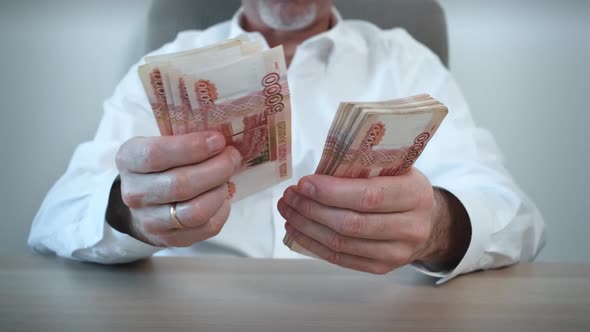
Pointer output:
x,y
289,39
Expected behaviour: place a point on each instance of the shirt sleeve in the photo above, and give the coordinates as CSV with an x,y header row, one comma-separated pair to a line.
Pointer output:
x,y
465,160
71,221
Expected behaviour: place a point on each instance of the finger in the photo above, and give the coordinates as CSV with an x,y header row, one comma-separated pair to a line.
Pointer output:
x,y
189,236
199,210
385,251
341,259
378,194
179,184
156,154
375,226
192,213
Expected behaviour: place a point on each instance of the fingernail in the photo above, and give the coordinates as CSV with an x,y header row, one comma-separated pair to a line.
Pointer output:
x,y
308,189
215,142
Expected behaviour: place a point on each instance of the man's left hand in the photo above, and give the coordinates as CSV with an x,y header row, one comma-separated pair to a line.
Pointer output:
x,y
374,225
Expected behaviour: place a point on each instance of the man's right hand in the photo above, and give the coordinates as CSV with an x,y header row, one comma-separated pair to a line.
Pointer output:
x,y
191,170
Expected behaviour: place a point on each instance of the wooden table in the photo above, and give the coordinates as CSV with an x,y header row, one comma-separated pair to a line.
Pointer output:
x,y
225,294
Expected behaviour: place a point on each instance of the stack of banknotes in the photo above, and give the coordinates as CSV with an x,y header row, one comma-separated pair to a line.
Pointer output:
x,y
377,139
240,89
237,88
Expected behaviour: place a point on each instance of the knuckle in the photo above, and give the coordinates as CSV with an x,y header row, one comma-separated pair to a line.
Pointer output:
x,y
153,239
125,152
421,232
352,224
179,186
121,158
149,226
422,237
199,214
184,242
402,256
423,196
306,206
152,155
396,258
225,211
123,149
132,198
199,145
167,241
372,197
176,240
303,241
428,194
334,258
337,242
214,228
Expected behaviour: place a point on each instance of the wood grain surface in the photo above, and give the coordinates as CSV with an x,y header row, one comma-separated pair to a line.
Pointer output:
x,y
231,294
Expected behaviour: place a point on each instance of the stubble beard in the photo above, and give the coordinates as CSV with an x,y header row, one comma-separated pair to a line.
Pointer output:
x,y
275,15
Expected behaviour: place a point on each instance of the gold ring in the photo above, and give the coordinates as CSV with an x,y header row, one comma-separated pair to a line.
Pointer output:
x,y
174,217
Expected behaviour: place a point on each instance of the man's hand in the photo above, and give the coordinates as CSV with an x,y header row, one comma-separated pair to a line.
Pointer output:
x,y
155,172
376,225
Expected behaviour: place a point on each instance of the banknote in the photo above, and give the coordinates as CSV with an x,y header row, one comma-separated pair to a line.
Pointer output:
x,y
153,84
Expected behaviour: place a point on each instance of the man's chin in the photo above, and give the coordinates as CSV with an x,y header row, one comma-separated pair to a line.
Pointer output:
x,y
287,16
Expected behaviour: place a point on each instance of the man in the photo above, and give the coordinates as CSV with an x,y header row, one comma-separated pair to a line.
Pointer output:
x,y
131,193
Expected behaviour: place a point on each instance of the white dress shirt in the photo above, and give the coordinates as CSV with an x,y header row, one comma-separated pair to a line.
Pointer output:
x,y
353,61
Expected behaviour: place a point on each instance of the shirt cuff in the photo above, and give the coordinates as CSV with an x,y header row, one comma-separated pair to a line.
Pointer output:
x,y
479,216
105,244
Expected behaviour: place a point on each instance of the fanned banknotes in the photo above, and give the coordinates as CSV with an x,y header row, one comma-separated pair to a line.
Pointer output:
x,y
236,88
377,139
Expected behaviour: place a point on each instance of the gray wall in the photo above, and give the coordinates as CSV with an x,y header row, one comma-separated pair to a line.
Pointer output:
x,y
59,60
522,64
